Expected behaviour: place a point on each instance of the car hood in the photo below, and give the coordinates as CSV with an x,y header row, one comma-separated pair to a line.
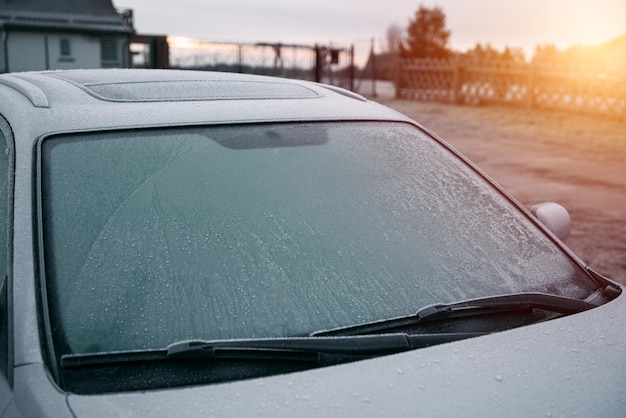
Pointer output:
x,y
573,366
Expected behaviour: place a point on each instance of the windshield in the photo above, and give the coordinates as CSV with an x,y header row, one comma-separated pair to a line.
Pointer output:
x,y
272,230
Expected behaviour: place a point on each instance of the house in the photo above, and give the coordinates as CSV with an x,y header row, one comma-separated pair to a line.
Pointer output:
x,y
62,34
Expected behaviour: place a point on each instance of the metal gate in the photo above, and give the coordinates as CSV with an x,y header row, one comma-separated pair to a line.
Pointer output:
x,y
321,63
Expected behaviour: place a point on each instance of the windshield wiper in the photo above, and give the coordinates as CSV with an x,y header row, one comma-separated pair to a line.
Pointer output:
x,y
307,349
369,339
471,308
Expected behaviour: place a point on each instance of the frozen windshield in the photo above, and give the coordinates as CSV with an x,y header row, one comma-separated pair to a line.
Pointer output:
x,y
156,236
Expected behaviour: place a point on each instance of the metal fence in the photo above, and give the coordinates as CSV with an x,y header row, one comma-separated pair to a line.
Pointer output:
x,y
588,89
321,63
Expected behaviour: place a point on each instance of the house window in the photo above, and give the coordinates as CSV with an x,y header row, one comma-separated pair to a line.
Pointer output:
x,y
66,47
108,51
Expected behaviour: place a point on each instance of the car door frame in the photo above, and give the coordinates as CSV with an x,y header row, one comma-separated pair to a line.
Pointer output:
x,y
6,277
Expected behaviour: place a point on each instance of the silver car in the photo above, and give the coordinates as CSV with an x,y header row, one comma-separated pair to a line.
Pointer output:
x,y
205,244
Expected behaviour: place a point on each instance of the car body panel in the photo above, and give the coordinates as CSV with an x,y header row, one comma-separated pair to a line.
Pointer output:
x,y
36,395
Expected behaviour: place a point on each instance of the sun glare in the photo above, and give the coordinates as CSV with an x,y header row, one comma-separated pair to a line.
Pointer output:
x,y
183,42
589,25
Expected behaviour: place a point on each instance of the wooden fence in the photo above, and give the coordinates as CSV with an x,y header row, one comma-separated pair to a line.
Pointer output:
x,y
591,90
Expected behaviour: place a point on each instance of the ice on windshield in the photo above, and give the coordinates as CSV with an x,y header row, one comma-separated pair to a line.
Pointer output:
x,y
158,236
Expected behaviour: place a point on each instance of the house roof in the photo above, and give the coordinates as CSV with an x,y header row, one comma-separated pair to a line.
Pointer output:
x,y
93,16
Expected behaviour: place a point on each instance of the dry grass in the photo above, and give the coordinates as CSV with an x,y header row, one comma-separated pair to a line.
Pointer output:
x,y
576,160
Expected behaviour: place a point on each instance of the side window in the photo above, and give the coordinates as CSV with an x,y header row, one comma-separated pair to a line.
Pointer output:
x,y
4,284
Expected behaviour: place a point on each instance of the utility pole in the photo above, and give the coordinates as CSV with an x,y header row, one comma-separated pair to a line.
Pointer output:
x,y
373,63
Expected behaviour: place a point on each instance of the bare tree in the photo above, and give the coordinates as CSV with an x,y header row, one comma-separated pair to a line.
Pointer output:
x,y
394,38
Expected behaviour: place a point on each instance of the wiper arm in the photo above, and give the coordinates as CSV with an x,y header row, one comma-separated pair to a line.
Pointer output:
x,y
306,349
469,308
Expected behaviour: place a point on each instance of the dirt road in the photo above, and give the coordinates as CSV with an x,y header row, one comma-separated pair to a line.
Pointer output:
x,y
578,161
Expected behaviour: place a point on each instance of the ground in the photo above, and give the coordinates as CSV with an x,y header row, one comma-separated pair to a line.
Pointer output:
x,y
576,160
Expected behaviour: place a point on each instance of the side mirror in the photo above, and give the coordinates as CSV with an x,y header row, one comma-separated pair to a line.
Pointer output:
x,y
555,217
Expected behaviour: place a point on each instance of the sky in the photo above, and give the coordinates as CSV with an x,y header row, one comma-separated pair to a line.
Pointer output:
x,y
500,23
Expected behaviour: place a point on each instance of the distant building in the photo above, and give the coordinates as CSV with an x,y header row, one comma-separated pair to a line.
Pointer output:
x,y
149,51
63,34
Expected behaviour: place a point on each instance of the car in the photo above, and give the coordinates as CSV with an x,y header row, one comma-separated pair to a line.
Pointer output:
x,y
182,243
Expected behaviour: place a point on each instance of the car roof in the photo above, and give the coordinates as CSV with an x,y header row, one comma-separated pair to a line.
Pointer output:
x,y
77,100
160,86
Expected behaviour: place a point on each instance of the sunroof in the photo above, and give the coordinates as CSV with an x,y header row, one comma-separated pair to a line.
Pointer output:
x,y
142,90
198,90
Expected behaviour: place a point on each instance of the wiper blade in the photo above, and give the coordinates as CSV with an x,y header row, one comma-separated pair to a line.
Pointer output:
x,y
306,349
368,344
348,345
470,308
543,301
